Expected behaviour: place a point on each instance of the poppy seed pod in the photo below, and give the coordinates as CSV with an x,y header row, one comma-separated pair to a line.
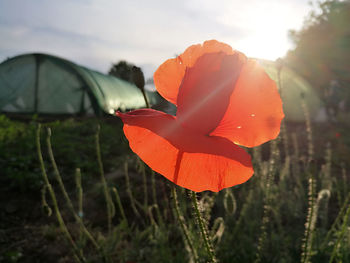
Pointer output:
x,y
138,78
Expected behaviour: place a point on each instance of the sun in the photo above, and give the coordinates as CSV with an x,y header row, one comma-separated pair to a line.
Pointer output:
x,y
264,28
264,46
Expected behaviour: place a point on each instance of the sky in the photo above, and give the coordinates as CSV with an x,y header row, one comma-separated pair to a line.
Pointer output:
x,y
97,33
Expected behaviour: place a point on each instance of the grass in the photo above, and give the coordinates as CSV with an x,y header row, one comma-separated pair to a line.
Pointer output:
x,y
294,209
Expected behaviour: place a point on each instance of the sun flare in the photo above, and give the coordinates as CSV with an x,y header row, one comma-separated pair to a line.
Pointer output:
x,y
265,28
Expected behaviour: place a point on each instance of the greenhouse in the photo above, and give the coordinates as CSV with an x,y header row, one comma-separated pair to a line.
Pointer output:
x,y
45,84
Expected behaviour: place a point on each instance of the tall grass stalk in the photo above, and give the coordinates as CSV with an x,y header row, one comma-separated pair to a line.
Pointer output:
x,y
144,182
57,173
322,197
109,203
308,130
280,89
120,206
203,229
326,186
266,210
336,221
188,240
217,230
341,234
306,247
295,160
79,190
244,211
77,217
154,196
78,254
326,178
344,188
128,189
47,209
230,203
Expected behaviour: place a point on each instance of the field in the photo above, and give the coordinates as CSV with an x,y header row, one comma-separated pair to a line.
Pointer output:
x,y
106,205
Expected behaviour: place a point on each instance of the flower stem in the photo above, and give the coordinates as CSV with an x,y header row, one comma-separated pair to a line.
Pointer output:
x,y
58,177
155,202
183,225
341,235
203,229
336,221
145,98
109,204
79,257
128,190
120,206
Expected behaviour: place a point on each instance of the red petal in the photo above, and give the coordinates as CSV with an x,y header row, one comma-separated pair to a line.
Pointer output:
x,y
168,76
205,91
192,53
190,160
255,111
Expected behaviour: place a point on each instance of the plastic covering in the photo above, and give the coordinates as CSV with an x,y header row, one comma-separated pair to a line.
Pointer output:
x,y
44,84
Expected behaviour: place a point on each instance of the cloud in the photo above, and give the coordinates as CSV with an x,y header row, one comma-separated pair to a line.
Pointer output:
x,y
96,33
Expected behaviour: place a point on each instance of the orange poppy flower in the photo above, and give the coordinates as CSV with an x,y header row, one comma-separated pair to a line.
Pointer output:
x,y
223,100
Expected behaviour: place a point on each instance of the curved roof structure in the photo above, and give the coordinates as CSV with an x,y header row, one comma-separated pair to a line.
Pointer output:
x,y
45,84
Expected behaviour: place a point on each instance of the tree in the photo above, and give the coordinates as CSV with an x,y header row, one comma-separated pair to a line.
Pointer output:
x,y
122,70
130,73
322,47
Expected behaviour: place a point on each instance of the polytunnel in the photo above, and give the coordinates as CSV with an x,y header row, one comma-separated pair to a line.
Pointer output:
x,y
45,84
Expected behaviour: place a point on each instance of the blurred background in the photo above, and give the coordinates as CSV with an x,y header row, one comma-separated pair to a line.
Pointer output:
x,y
71,64
312,37
98,33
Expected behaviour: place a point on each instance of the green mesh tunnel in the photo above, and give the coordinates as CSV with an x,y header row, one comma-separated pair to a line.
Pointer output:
x,y
45,84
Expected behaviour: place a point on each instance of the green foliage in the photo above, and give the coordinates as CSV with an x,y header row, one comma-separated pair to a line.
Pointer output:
x,y
122,70
322,47
18,165
128,72
73,143
274,217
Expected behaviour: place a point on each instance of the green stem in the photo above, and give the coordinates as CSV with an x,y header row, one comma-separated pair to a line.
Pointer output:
x,y
342,233
283,124
308,130
79,257
79,189
58,177
46,208
128,189
79,192
267,201
183,225
144,178
203,229
307,246
336,221
145,97
154,196
103,180
121,209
